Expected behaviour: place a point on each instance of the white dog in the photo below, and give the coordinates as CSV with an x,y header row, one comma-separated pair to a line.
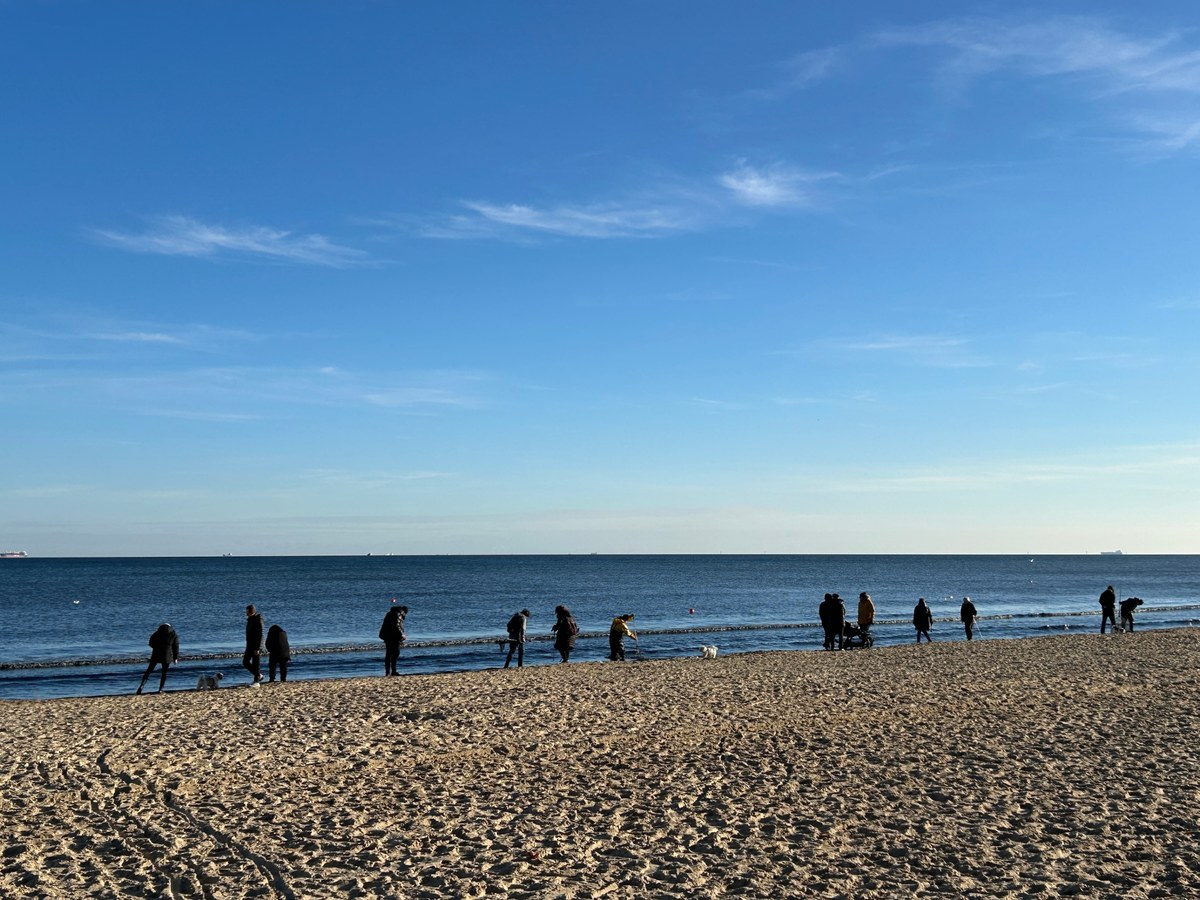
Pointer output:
x,y
209,682
708,652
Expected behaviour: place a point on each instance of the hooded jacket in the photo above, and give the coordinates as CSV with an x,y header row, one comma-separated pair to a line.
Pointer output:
x,y
164,644
277,644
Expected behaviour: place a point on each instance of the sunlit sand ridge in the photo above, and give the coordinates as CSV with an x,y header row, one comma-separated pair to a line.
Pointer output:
x,y
993,769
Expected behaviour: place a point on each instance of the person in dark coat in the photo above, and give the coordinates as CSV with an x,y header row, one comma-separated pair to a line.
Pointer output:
x,y
922,620
838,623
1108,608
968,615
164,650
832,613
391,632
564,629
279,654
252,658
516,637
1127,607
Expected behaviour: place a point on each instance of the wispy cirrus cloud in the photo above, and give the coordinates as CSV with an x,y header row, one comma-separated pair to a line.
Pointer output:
x,y
177,235
140,337
593,221
1143,78
234,394
1058,45
681,207
775,185
652,217
64,336
941,351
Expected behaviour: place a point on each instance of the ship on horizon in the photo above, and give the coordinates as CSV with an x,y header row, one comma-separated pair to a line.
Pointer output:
x,y
13,554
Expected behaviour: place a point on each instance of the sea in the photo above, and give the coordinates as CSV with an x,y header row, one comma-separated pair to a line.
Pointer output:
x,y
79,627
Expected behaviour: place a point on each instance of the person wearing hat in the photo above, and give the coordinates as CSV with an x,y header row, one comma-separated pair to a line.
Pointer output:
x,y
516,637
968,615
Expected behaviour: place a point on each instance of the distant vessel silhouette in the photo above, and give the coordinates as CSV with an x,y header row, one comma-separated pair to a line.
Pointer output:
x,y
13,554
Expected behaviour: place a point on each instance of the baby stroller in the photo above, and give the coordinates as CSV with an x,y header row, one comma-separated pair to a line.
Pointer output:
x,y
856,638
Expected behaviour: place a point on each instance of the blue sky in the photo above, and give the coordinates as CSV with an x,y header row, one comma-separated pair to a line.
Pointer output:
x,y
599,277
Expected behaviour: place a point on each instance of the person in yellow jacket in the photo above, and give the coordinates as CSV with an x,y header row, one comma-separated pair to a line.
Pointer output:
x,y
866,612
617,633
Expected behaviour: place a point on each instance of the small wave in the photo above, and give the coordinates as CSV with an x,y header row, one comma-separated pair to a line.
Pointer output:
x,y
477,640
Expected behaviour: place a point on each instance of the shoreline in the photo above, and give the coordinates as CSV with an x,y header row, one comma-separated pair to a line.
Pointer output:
x,y
110,676
987,769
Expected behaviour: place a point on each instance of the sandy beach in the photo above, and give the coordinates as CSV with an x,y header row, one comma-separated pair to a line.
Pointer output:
x,y
1047,767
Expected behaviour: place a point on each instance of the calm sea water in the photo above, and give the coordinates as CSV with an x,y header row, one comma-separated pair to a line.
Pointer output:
x,y
74,627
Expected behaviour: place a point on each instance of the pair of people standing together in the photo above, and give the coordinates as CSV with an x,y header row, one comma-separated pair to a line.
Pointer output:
x,y
923,618
564,629
279,652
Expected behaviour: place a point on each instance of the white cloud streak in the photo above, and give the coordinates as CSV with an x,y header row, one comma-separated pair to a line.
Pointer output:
x,y
598,221
177,235
940,351
721,200
773,186
140,337
1112,65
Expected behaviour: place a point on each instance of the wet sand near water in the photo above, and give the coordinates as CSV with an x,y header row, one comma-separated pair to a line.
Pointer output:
x,y
1043,767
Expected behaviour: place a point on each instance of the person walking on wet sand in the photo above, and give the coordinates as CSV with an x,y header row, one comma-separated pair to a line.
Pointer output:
x,y
564,629
391,632
164,650
866,612
279,653
1127,607
922,620
617,632
968,615
1108,608
252,658
516,637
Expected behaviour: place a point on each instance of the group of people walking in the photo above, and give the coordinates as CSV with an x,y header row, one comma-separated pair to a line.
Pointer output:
x,y
832,613
565,629
164,642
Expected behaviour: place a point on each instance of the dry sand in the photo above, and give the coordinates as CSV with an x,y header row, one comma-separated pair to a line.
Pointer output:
x,y
1033,768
